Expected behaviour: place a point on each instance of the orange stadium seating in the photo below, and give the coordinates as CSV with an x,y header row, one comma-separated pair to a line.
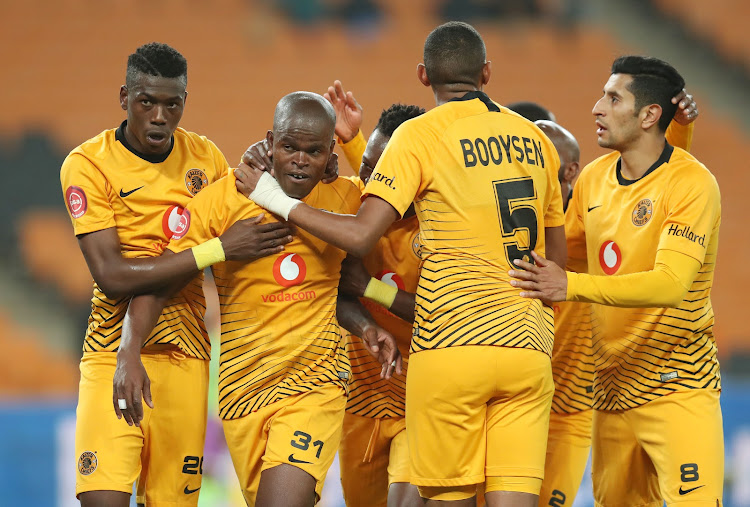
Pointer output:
x,y
243,57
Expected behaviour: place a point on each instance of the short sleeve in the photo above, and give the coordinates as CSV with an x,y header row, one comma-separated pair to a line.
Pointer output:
x,y
693,210
87,195
553,214
220,161
203,218
575,233
399,175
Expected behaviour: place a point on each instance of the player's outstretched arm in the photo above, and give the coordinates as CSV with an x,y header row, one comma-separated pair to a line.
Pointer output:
x,y
348,111
118,277
357,282
380,343
355,234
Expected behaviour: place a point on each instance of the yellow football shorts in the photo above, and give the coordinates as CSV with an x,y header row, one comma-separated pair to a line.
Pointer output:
x,y
568,447
303,430
165,452
373,455
671,448
476,413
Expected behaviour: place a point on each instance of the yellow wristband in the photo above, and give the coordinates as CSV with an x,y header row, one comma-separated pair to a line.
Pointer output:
x,y
380,292
208,253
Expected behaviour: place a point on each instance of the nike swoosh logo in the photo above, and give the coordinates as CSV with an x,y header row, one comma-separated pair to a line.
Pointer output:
x,y
292,459
188,490
125,194
686,491
594,207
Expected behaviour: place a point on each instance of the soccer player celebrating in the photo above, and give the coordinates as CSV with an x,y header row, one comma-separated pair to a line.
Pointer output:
x,y
645,218
484,186
125,190
284,371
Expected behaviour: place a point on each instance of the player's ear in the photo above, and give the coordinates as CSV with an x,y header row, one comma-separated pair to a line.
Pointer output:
x,y
422,74
333,145
650,116
269,139
124,97
184,99
486,72
571,171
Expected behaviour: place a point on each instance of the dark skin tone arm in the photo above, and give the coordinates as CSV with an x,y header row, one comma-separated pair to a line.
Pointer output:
x,y
354,280
556,246
355,318
118,277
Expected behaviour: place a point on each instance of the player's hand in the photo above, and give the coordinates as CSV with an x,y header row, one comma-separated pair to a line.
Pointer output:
x,y
248,239
348,111
354,277
332,169
259,156
246,179
130,383
545,280
382,346
687,109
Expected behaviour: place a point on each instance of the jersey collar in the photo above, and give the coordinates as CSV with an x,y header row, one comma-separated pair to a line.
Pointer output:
x,y
666,154
154,159
481,96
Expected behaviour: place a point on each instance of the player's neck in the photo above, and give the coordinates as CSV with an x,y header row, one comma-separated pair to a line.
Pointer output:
x,y
446,93
637,159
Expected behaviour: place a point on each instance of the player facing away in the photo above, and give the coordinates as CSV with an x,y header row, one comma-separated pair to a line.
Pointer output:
x,y
125,190
283,369
484,186
646,220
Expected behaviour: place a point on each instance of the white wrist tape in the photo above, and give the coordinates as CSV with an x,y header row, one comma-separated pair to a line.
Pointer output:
x,y
269,195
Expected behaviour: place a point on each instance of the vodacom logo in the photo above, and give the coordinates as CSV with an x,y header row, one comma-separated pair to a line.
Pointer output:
x,y
391,278
610,257
175,222
289,270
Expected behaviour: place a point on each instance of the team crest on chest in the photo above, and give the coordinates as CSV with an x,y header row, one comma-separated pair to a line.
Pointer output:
x,y
416,246
642,212
195,180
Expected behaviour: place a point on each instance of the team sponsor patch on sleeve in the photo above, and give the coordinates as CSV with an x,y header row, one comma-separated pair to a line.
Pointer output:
x,y
77,202
176,222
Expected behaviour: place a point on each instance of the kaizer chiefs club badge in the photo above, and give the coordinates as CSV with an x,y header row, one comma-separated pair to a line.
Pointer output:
x,y
642,212
195,180
87,463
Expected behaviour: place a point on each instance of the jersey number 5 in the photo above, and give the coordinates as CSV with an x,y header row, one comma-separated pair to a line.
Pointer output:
x,y
515,206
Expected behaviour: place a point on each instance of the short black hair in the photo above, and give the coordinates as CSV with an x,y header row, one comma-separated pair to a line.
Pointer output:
x,y
654,82
156,59
454,52
391,118
531,111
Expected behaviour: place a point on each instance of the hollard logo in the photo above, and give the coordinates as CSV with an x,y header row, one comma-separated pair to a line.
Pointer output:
x,y
610,257
687,233
376,176
289,270
176,222
391,279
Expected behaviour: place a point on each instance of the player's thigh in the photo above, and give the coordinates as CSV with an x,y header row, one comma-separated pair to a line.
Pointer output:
x,y
108,451
446,400
683,435
176,432
285,485
400,492
246,439
518,421
305,433
621,471
363,461
568,448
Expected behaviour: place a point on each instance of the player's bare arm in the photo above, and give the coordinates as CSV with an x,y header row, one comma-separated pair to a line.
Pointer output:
x,y
118,277
556,245
355,234
348,111
355,318
355,281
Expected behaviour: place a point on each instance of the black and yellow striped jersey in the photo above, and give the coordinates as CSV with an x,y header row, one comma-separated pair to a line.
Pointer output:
x,y
279,333
619,225
484,184
106,184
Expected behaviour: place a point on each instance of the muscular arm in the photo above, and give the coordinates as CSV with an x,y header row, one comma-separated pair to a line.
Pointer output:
x,y
352,315
556,247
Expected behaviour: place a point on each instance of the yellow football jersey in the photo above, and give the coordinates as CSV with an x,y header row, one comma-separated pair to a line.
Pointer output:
x,y
279,333
394,260
643,353
107,184
484,184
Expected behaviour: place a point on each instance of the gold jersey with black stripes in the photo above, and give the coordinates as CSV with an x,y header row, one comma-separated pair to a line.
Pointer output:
x,y
643,353
279,333
484,185
394,260
108,184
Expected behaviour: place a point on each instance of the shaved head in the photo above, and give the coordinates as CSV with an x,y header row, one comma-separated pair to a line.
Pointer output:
x,y
565,143
307,111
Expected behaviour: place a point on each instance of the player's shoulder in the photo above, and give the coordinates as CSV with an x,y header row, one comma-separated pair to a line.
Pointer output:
x,y
686,169
339,195
596,167
96,148
193,140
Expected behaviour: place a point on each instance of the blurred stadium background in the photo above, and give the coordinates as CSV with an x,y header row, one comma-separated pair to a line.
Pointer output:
x,y
63,62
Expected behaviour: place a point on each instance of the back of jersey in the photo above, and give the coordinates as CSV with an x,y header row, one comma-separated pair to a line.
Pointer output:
x,y
484,184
